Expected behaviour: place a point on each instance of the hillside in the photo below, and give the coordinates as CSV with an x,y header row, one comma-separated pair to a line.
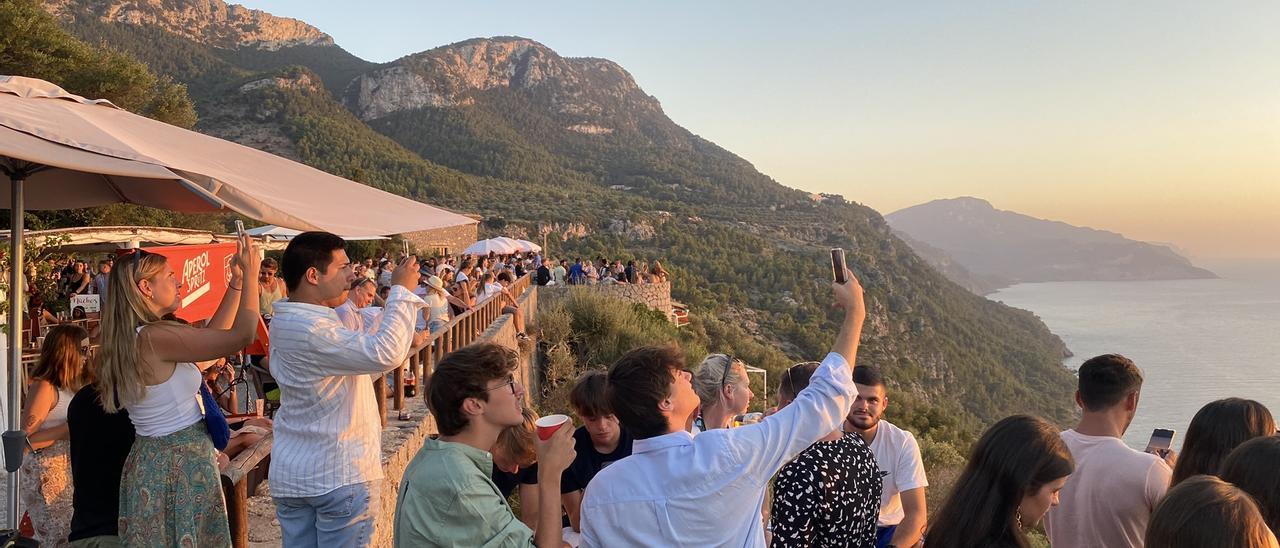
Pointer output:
x,y
573,148
1003,244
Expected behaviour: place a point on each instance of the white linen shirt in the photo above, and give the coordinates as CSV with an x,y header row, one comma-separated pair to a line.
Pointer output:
x,y
327,430
705,491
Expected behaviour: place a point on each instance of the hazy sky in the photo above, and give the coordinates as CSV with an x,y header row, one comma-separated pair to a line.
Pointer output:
x,y
1159,120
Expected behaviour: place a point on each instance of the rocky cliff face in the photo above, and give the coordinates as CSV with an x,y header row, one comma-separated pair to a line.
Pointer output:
x,y
210,22
589,94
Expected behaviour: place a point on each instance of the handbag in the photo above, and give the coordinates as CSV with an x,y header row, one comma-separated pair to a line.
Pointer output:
x,y
214,420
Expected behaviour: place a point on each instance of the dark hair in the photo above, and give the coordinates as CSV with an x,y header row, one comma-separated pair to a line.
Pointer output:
x,y
269,263
638,382
1217,428
795,379
589,396
1107,380
505,276
1015,457
306,251
1253,468
868,376
464,373
61,363
1206,512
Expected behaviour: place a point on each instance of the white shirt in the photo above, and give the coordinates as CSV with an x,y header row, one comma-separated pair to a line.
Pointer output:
x,y
327,430
681,490
898,455
1109,498
349,316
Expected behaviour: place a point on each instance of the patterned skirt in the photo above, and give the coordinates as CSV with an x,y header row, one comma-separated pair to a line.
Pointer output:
x,y
45,483
171,494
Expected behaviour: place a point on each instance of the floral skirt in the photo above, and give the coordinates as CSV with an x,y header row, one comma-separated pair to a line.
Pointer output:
x,y
171,494
45,483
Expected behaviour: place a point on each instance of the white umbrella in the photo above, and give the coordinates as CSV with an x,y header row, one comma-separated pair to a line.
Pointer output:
x,y
526,245
62,151
484,247
281,233
514,244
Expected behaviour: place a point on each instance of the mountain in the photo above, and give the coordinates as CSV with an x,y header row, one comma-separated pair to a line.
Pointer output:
x,y
1018,248
573,149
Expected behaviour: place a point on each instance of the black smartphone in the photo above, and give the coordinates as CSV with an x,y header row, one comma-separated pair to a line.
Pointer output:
x,y
1161,440
837,265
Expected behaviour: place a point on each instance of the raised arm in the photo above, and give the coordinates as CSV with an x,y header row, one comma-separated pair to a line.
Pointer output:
x,y
179,343
386,347
225,317
818,409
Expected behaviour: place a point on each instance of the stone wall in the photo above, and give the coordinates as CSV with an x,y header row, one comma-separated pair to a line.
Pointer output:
x,y
401,440
450,240
656,295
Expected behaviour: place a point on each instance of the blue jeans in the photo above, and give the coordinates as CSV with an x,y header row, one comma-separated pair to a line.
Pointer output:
x,y
342,517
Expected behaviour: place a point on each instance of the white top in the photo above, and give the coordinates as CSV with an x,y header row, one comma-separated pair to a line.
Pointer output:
x,y
437,307
349,316
170,406
58,415
384,279
489,289
327,430
681,490
1109,498
898,455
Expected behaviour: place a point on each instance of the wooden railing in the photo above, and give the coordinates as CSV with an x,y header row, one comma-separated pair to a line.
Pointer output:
x,y
249,467
462,330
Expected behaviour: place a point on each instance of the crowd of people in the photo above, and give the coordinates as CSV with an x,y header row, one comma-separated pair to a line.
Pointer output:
x,y
124,450
599,271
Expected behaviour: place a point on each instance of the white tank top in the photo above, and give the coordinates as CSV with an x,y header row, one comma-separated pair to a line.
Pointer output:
x,y
170,406
58,415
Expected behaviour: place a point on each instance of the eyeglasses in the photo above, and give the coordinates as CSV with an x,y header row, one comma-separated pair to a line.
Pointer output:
x,y
511,381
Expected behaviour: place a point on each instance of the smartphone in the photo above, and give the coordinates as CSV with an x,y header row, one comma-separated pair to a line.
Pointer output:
x,y
239,227
837,265
1161,440
405,244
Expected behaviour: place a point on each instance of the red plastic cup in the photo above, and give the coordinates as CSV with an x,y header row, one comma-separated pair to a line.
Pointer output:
x,y
549,424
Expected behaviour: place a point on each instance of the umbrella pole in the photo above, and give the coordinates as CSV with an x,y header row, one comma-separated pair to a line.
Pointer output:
x,y
15,438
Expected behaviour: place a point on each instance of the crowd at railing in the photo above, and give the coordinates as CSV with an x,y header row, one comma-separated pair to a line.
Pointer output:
x,y
665,456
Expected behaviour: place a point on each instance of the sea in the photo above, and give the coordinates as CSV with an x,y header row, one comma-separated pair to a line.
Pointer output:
x,y
1195,340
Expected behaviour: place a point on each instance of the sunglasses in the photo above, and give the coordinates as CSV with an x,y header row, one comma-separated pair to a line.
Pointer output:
x,y
724,378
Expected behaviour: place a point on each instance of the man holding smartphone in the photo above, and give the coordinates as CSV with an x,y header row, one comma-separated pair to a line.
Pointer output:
x,y
1110,497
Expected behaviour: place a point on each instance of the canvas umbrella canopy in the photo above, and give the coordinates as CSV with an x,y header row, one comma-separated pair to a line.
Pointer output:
x,y
484,247
514,244
61,151
526,245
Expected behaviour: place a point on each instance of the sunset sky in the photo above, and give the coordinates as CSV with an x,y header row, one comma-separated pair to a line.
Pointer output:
x,y
1159,120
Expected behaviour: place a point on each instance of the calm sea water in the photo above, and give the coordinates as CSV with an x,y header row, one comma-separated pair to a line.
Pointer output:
x,y
1195,340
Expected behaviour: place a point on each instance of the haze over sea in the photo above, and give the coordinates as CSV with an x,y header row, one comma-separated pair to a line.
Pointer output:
x,y
1195,340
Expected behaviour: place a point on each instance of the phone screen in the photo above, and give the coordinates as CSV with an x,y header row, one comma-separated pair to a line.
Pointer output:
x,y
1161,439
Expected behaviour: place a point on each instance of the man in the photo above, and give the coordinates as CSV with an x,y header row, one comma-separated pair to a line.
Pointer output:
x,y
903,510
327,450
100,281
447,497
599,442
360,296
679,490
543,276
575,272
1110,497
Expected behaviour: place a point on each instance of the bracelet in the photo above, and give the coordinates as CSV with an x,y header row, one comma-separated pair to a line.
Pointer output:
x,y
234,288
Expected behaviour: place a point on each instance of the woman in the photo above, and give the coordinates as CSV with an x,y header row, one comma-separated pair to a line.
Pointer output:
x,y
78,282
170,493
830,494
46,471
1012,479
515,464
1206,512
1217,428
438,303
270,288
1253,468
722,385
658,273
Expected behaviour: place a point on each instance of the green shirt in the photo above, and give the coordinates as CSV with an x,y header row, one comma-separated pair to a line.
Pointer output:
x,y
447,498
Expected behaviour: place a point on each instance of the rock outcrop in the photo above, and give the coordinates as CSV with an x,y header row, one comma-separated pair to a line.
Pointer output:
x,y
210,22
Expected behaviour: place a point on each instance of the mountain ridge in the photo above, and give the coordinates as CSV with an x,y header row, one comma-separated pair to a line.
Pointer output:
x,y
1020,248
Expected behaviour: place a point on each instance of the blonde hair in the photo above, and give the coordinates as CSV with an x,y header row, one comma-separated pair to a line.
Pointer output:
x,y
120,381
516,442
707,381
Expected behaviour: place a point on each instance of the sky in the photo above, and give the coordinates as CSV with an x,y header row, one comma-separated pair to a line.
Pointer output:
x,y
1156,119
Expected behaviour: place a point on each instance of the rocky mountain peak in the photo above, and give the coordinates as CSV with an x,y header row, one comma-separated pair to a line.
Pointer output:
x,y
211,22
585,91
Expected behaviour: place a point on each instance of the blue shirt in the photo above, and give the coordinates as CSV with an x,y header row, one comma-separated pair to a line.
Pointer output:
x,y
681,490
